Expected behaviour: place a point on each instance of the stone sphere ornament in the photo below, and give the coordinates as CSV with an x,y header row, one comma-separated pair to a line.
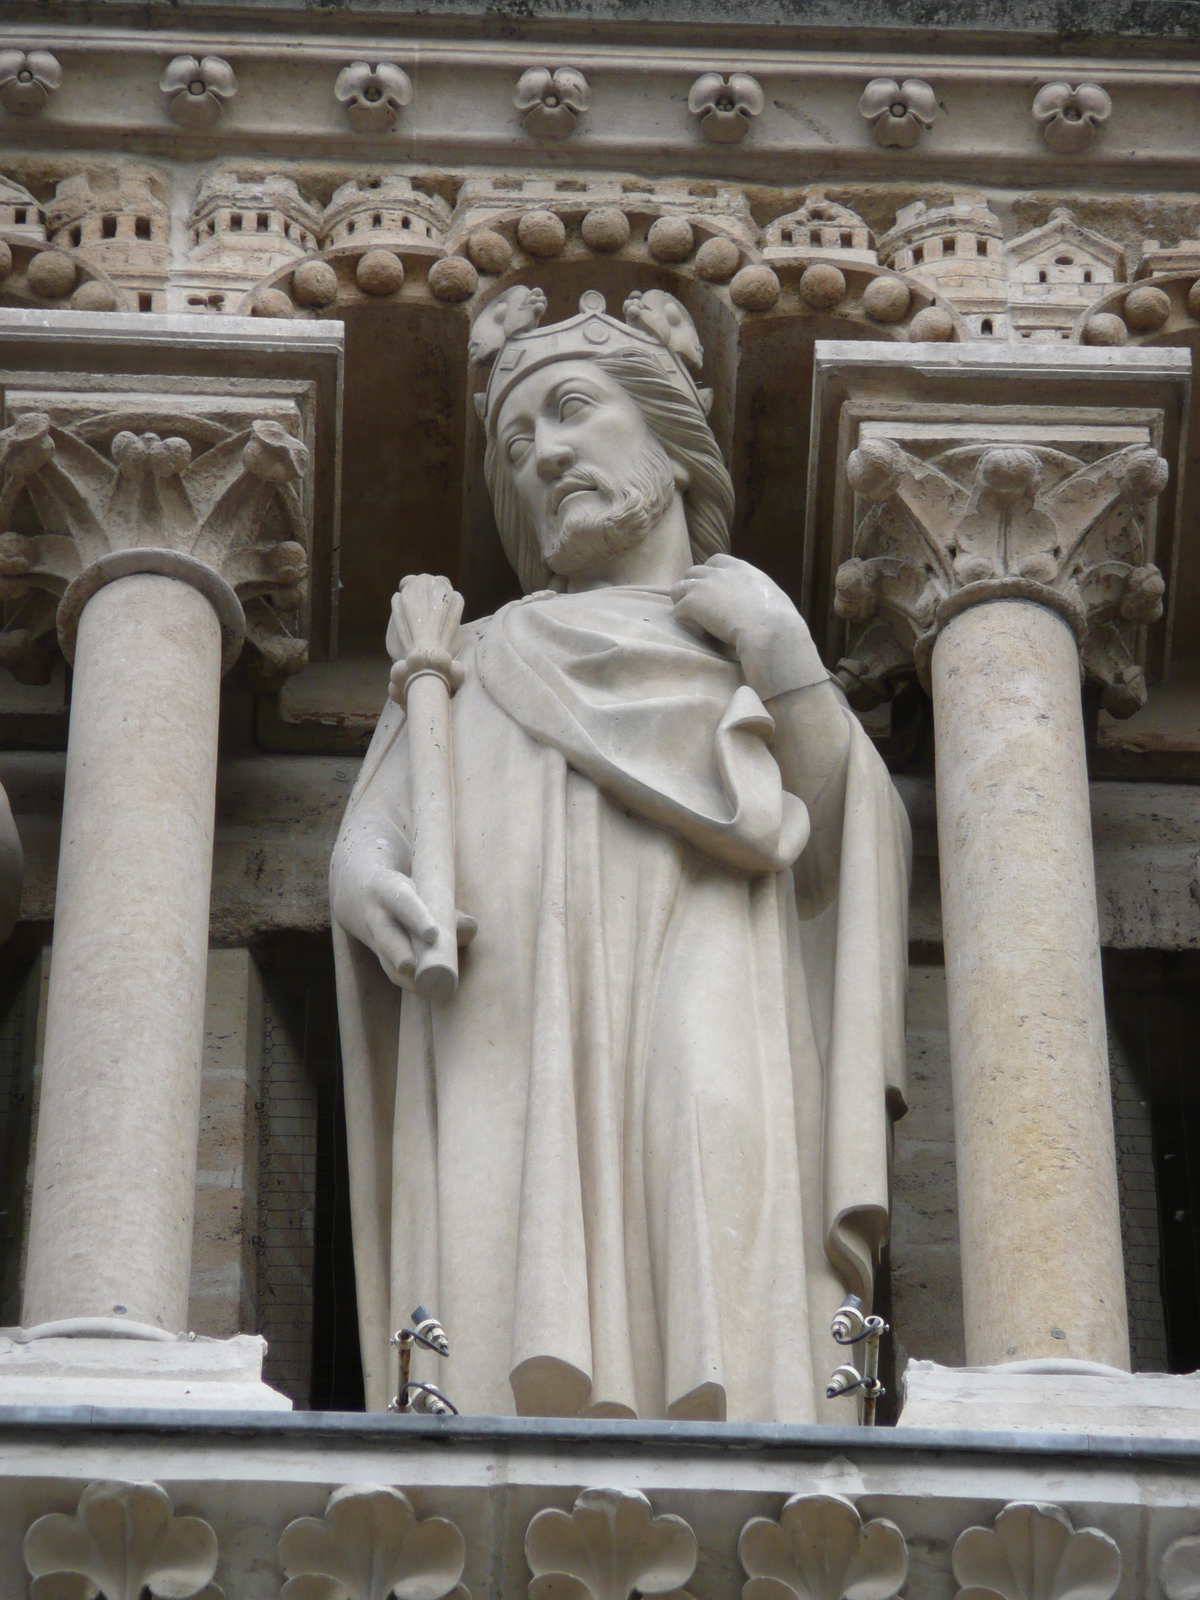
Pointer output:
x,y
671,239
6,259
314,283
27,80
931,326
1105,328
1070,118
1146,308
373,96
95,295
887,299
197,90
754,289
822,286
51,274
717,260
725,105
380,273
541,234
489,251
899,112
453,279
272,303
551,102
606,229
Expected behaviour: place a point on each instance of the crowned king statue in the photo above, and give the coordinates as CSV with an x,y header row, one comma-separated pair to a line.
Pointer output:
x,y
639,1156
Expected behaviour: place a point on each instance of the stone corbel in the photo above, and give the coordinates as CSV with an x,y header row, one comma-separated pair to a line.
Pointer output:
x,y
119,488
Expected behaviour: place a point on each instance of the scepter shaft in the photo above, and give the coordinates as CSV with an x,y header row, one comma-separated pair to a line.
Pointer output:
x,y
424,639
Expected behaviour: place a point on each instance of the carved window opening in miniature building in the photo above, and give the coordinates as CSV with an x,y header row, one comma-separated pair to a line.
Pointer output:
x,y
76,235
1042,275
350,227
108,227
986,325
20,214
141,227
264,221
212,226
1087,275
981,247
918,254
377,220
847,241
145,300
1064,261
948,247
235,222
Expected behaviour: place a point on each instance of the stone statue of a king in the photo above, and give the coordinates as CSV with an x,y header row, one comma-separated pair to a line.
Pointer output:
x,y
639,1157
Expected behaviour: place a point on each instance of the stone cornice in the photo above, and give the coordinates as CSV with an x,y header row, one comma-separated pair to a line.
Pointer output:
x,y
461,107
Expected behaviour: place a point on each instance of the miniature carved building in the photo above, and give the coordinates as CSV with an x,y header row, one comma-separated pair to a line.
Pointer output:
x,y
958,249
240,232
123,229
1056,274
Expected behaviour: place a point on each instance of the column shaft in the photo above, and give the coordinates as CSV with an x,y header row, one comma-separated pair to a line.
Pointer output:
x,y
114,1181
1039,1219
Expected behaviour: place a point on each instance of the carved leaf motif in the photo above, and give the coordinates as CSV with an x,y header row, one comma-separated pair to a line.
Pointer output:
x,y
123,1540
1032,1552
370,1546
610,1545
820,1549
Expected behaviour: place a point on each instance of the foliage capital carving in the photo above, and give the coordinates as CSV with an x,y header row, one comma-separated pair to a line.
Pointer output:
x,y
219,508
936,534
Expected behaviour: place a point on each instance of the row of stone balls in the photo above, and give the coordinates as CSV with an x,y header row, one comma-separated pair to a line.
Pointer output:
x,y
543,235
1146,310
52,275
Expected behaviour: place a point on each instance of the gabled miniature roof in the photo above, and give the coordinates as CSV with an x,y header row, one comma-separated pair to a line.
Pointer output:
x,y
12,194
1063,229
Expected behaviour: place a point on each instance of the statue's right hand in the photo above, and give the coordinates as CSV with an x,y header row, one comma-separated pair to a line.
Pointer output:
x,y
385,912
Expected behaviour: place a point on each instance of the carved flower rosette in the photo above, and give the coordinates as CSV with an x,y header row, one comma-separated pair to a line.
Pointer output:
x,y
932,537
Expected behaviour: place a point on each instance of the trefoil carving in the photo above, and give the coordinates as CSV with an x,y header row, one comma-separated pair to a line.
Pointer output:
x,y
725,105
820,1549
899,112
608,1547
1032,1552
369,1545
551,102
1071,118
373,97
27,80
123,1542
197,90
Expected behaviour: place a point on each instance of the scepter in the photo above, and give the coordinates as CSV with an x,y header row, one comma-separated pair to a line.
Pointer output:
x,y
423,640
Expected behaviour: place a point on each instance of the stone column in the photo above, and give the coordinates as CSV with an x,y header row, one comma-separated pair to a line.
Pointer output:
x,y
997,572
153,555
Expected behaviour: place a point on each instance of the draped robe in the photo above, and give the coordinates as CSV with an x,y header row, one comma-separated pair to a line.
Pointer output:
x,y
637,1159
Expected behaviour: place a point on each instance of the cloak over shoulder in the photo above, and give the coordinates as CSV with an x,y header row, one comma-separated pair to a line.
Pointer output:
x,y
639,1157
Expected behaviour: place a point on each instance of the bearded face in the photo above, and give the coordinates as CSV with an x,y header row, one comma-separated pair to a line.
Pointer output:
x,y
591,476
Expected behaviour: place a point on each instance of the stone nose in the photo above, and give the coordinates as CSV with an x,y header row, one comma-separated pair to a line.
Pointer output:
x,y
553,456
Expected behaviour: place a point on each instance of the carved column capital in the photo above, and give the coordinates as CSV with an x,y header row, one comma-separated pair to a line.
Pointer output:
x,y
993,518
127,483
